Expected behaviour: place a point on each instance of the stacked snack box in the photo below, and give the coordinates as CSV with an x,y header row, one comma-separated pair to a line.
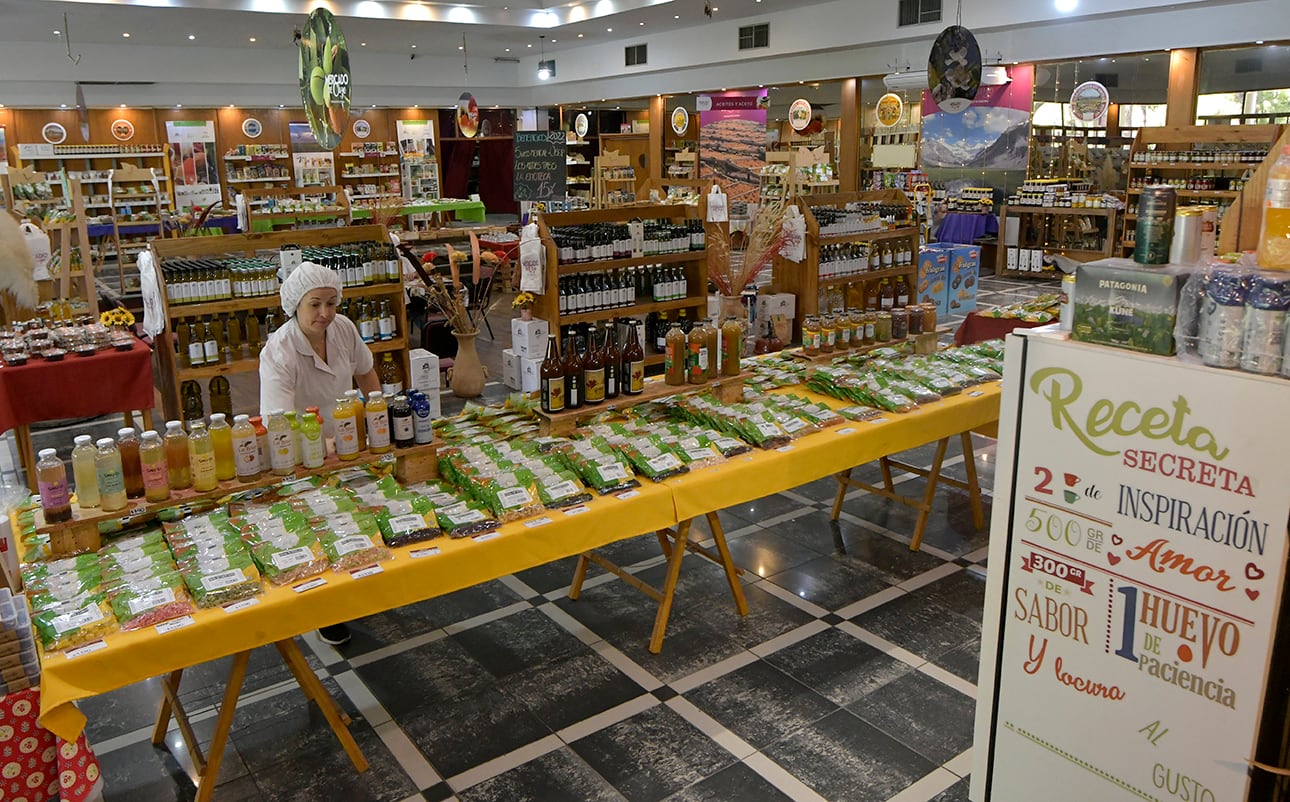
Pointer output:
x,y
934,277
965,269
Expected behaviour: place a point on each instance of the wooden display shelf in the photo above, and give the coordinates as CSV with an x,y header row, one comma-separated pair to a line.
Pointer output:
x,y
868,275
272,301
924,343
250,364
1197,193
265,180
1067,215
634,310
139,509
1192,165
864,236
728,389
1048,272
1097,211
634,261
258,158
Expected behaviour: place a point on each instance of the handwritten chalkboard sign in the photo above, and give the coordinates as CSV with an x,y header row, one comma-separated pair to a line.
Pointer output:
x,y
539,165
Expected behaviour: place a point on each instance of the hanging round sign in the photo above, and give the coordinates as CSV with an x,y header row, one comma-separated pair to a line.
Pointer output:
x,y
580,125
954,69
362,128
323,70
53,133
680,120
467,115
1089,102
122,130
890,109
252,128
799,114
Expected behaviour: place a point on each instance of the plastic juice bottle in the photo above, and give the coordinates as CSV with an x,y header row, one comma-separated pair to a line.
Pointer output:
x,y
107,464
152,460
261,442
51,478
313,448
281,460
377,418
246,449
712,337
87,482
201,458
297,453
357,402
696,361
1274,236
675,361
127,443
177,456
222,439
346,420
732,339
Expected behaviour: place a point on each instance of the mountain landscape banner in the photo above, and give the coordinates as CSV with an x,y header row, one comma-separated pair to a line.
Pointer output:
x,y
733,126
992,134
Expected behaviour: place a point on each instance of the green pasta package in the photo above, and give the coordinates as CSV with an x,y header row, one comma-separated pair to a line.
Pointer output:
x,y
350,539
73,623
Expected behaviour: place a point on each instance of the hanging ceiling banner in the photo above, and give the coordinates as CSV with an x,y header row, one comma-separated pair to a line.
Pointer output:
x,y
323,70
954,69
890,109
467,115
1089,103
799,114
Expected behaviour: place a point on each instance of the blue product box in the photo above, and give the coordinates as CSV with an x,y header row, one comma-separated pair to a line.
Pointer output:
x,y
965,272
933,278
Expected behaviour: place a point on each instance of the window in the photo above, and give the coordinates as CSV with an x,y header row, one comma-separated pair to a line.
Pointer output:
x,y
917,12
751,36
1244,85
634,55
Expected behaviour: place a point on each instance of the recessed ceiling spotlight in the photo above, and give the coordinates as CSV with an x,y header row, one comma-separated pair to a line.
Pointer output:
x,y
676,16
461,47
191,37
414,47
579,36
373,105
529,45
122,105
62,105
553,41
251,40
58,33
609,30
642,24
179,105
508,50
282,105
231,106
1065,6
125,35
362,44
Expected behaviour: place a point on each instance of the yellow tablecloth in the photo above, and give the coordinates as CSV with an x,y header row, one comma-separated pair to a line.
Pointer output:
x,y
282,613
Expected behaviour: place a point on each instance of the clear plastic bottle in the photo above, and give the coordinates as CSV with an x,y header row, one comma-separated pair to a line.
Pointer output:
x,y
127,443
201,458
1274,236
152,461
83,471
222,439
345,416
107,464
313,447
281,460
297,452
176,441
377,417
51,478
246,449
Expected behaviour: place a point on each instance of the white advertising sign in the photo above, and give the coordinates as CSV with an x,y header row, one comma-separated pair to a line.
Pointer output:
x,y
192,158
1135,572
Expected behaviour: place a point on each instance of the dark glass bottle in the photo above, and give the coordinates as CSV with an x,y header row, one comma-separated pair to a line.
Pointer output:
x,y
551,374
593,371
612,359
572,375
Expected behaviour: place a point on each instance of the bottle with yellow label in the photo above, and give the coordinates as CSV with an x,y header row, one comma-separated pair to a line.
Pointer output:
x,y
377,417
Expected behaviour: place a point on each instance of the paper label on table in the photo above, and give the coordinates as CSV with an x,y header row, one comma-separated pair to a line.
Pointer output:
x,y
136,511
663,462
291,558
79,651
223,579
578,510
628,494
371,570
784,449
976,393
613,473
151,599
241,605
727,443
769,429
536,522
417,554
513,497
347,545
878,420
562,490
317,582
76,619
403,524
485,536
845,430
173,624
793,425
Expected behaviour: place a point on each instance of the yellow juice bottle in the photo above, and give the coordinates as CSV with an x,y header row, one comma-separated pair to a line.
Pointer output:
x,y
222,441
345,415
377,417
201,458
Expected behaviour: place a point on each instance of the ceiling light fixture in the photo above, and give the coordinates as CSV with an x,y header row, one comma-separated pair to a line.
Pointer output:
x,y
62,105
251,40
579,36
1258,42
122,105
546,69
125,35
1065,6
58,33
191,37
362,44
609,30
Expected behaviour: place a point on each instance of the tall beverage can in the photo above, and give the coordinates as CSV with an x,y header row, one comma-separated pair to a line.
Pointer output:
x,y
1221,317
1264,328
1208,233
1066,312
1189,224
1154,232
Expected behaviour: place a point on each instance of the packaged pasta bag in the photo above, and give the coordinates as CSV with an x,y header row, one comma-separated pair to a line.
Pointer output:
x,y
217,576
511,495
285,550
603,469
143,601
74,622
81,572
558,485
350,539
407,528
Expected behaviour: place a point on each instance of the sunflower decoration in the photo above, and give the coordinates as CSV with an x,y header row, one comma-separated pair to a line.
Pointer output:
x,y
119,316
523,301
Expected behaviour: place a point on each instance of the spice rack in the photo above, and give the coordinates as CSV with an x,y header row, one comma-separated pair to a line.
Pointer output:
x,y
171,372
1239,224
1058,224
803,280
695,264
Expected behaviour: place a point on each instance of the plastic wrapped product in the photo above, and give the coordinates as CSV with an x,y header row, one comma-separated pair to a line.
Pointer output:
x,y
652,459
512,495
605,473
698,452
351,540
561,488
408,528
215,580
285,553
144,602
69,625
465,519
860,413
143,563
36,574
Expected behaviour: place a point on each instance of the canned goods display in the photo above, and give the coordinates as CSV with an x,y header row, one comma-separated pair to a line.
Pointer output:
x,y
1154,231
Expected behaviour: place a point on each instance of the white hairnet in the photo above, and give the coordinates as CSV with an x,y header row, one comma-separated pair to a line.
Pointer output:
x,y
308,276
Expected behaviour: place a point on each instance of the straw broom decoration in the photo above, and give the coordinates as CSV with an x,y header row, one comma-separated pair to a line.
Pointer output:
x,y
445,298
764,239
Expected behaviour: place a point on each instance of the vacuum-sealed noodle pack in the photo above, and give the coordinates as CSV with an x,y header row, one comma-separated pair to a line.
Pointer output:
x,y
74,622
140,601
285,549
350,539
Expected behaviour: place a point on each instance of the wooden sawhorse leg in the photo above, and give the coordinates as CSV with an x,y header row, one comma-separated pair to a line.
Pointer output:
x,y
674,543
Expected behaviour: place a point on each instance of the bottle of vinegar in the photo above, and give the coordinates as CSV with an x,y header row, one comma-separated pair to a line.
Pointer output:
x,y
51,478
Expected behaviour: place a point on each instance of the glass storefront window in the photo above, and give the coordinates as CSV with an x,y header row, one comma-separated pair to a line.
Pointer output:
x,y
1241,85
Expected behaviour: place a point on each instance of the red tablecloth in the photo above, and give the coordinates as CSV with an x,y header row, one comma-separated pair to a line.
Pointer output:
x,y
35,764
976,328
76,387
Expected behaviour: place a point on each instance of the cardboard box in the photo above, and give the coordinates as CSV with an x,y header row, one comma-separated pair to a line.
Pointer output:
x,y
1037,260
934,278
528,337
511,369
530,375
425,371
780,303
1122,304
1012,258
965,271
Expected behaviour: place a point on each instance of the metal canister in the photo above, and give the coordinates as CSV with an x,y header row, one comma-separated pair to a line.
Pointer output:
x,y
1154,231
1189,223
1263,340
1208,233
1066,311
1221,317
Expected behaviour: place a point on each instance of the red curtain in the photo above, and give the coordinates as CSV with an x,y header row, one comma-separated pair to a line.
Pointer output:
x,y
497,175
457,157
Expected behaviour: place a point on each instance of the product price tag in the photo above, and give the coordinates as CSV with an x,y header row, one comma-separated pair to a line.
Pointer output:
x,y
784,449
536,522
291,558
976,394
350,544
151,599
485,536
513,497
371,570
578,510
878,420
417,554
173,624
223,579
845,430
310,585
628,494
80,651
136,511
241,605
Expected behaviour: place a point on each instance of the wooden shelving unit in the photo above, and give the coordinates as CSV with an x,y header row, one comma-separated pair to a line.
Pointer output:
x,y
1056,230
171,368
613,181
335,207
803,280
240,169
1240,211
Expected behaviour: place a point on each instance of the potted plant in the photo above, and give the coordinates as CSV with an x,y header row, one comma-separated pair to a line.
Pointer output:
x,y
524,303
